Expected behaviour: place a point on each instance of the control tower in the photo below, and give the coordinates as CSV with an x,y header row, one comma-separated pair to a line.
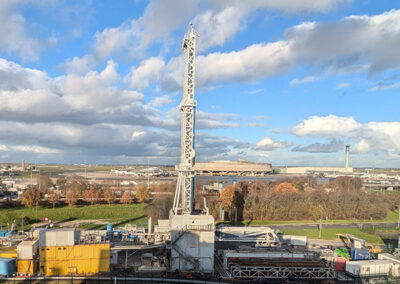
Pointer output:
x,y
192,233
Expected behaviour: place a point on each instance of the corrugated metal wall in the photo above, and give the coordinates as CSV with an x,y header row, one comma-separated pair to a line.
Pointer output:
x,y
78,259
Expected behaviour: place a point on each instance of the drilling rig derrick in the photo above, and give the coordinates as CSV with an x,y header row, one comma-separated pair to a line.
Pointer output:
x,y
183,201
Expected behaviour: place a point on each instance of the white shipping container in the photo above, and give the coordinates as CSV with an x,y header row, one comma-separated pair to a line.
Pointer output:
x,y
388,256
395,271
59,237
27,249
363,268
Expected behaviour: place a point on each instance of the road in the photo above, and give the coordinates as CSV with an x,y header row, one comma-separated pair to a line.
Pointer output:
x,y
359,225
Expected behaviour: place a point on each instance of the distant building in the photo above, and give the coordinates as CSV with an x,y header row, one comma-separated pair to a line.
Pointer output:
x,y
230,168
312,170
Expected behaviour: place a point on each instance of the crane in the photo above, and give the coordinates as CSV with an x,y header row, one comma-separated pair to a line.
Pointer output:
x,y
183,201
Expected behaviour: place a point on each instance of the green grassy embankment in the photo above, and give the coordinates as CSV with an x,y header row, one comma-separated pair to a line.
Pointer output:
x,y
117,214
330,234
391,217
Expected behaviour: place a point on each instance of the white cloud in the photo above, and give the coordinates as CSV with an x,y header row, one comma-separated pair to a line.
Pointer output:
x,y
78,65
137,134
35,149
148,72
256,124
95,90
363,146
333,146
372,137
269,144
161,101
353,44
277,131
384,86
330,126
134,36
216,27
307,79
3,148
14,38
217,21
255,91
225,18
342,86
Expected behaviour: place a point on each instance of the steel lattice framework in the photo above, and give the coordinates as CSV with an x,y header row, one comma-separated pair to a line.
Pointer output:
x,y
183,202
265,272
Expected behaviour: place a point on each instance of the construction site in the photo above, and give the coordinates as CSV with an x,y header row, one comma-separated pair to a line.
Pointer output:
x,y
189,246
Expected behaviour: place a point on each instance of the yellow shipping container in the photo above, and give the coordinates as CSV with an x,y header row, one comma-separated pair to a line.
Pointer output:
x,y
26,266
8,252
79,259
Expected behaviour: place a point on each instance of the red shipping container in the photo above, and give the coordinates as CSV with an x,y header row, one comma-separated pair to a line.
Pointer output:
x,y
340,264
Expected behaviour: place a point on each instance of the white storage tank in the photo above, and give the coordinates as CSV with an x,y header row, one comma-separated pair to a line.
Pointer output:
x,y
365,268
59,237
27,249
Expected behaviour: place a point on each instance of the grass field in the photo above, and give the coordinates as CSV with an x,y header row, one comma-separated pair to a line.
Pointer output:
x,y
330,234
117,214
392,216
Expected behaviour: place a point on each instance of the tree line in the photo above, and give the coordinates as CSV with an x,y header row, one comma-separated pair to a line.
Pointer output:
x,y
75,188
302,198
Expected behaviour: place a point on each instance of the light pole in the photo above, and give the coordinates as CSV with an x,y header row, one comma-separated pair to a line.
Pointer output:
x,y
398,219
320,224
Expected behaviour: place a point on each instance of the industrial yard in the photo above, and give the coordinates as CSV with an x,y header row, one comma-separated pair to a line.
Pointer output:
x,y
106,178
118,242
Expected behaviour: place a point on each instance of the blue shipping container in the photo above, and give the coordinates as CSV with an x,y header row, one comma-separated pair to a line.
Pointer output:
x,y
5,233
360,254
7,266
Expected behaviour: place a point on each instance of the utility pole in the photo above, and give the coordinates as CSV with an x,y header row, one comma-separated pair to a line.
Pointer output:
x,y
398,220
31,175
235,215
85,171
320,225
148,174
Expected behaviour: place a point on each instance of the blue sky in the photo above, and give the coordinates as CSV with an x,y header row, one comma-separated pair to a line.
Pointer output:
x,y
285,82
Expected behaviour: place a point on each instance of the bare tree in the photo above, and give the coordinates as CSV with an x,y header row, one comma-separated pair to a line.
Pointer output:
x,y
71,198
109,196
53,198
44,183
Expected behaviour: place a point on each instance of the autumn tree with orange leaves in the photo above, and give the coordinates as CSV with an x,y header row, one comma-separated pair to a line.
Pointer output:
x,y
91,195
285,187
232,198
126,198
31,197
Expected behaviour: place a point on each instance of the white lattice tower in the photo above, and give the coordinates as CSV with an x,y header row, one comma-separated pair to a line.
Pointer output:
x,y
183,202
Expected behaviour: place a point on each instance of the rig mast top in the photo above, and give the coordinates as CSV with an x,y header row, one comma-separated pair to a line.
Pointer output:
x,y
183,201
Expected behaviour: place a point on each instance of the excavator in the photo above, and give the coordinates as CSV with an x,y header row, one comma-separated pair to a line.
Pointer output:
x,y
351,241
